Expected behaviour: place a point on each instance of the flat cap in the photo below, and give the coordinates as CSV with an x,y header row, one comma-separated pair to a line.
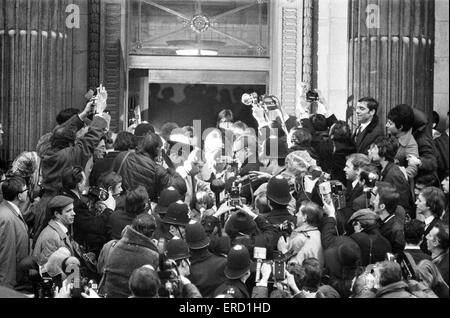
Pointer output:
x,y
60,201
363,214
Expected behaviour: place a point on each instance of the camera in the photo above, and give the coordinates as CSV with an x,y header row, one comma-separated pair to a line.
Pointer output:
x,y
279,266
169,278
234,195
99,193
268,102
336,191
312,96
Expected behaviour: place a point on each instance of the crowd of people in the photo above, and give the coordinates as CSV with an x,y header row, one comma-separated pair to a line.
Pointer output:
x,y
304,207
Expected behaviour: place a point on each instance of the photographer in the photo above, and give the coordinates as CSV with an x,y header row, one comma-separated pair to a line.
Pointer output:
x,y
305,239
175,270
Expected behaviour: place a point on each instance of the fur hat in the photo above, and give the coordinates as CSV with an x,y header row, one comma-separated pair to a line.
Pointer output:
x,y
240,222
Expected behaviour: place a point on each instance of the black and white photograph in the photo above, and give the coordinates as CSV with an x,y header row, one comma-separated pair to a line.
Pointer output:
x,y
253,150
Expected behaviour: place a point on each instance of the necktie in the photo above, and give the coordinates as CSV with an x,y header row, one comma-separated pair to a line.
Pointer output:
x,y
358,131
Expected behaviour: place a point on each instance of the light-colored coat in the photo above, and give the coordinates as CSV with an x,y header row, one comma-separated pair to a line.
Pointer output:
x,y
51,238
14,244
305,242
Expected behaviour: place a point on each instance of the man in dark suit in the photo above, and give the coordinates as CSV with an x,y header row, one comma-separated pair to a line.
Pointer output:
x,y
441,145
369,125
430,204
414,230
437,243
391,225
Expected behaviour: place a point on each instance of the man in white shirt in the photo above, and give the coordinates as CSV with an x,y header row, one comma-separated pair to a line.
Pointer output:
x,y
14,239
56,234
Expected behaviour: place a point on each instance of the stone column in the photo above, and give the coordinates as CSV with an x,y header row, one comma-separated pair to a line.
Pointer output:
x,y
35,70
287,52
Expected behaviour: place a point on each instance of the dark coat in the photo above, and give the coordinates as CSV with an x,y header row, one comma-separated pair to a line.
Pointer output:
x,y
89,230
344,214
392,174
373,245
442,264
132,251
368,135
422,132
441,145
102,166
417,254
394,290
117,221
392,228
232,287
139,169
277,217
423,245
207,271
55,161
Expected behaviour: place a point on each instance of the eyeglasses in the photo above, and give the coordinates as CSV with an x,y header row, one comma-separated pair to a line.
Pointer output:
x,y
26,189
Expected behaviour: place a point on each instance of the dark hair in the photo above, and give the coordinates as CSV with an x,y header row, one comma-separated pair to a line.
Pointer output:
x,y
145,224
109,179
11,187
125,141
358,160
434,199
136,200
402,116
298,272
302,137
62,137
428,180
319,122
226,114
390,272
313,273
387,147
388,196
414,230
71,176
144,282
149,145
436,118
313,212
442,234
371,103
66,114
341,132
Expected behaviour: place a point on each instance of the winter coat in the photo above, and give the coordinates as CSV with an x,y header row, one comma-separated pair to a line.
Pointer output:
x,y
422,132
139,169
394,290
207,271
441,263
56,160
423,244
278,216
368,135
373,245
392,228
51,238
132,251
441,145
392,174
14,245
305,241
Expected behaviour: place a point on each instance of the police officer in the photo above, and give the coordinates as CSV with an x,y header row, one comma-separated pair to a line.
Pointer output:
x,y
237,271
